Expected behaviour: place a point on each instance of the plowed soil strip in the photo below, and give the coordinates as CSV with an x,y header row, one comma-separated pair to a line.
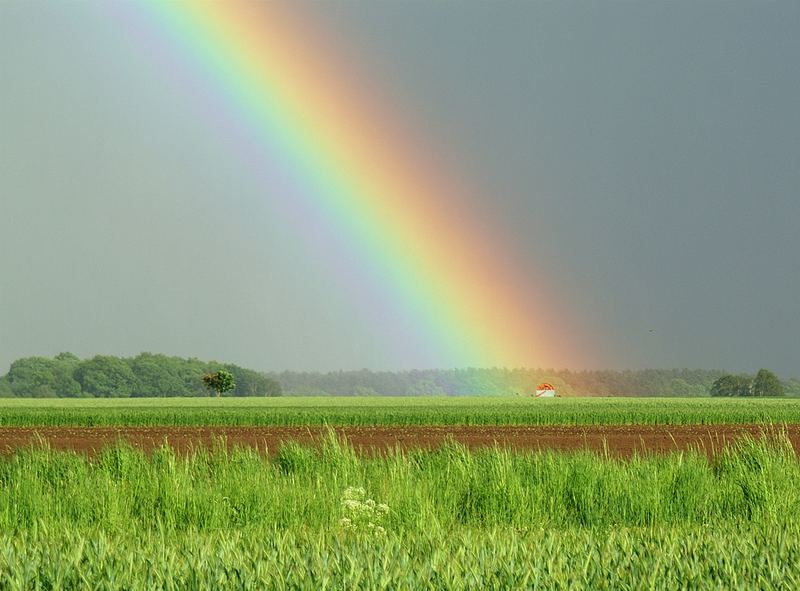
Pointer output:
x,y
621,441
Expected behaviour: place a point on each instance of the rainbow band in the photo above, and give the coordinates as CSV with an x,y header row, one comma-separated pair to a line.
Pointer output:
x,y
354,165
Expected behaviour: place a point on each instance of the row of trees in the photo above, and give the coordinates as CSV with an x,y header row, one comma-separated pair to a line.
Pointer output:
x,y
159,375
493,381
106,376
765,383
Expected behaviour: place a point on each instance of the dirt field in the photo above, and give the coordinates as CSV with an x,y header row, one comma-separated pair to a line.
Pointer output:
x,y
618,440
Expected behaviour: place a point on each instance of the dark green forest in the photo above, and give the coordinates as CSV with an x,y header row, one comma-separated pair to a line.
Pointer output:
x,y
106,376
153,375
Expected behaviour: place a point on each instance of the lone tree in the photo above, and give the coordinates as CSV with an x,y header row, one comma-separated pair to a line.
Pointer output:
x,y
219,382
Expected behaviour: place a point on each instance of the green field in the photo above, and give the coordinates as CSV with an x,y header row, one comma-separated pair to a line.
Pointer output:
x,y
397,411
447,519
328,518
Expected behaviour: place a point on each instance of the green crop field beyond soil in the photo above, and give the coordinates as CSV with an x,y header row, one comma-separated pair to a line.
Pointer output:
x,y
295,411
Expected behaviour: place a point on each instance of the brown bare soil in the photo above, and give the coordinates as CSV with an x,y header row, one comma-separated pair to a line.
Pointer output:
x,y
622,441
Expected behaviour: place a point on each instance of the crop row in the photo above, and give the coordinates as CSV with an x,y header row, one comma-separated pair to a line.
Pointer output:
x,y
396,411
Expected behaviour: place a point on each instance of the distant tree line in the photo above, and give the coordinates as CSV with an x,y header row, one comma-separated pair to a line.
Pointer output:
x,y
150,374
501,381
106,376
765,383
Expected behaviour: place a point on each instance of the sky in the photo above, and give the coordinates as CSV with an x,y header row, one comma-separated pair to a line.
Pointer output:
x,y
640,161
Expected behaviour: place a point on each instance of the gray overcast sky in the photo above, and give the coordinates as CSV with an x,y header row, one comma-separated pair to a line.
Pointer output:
x,y
644,156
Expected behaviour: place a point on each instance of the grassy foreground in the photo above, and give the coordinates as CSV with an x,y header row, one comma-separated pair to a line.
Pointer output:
x,y
293,411
582,560
446,519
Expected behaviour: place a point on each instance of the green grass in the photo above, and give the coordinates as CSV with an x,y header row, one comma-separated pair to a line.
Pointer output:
x,y
396,411
489,519
455,519
683,558
448,488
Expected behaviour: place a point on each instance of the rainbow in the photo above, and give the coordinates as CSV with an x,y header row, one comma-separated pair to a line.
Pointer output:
x,y
405,219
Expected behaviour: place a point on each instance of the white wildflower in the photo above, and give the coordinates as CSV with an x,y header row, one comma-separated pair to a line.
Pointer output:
x,y
361,514
351,505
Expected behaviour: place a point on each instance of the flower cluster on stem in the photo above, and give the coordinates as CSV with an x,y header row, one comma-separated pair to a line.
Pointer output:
x,y
362,514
